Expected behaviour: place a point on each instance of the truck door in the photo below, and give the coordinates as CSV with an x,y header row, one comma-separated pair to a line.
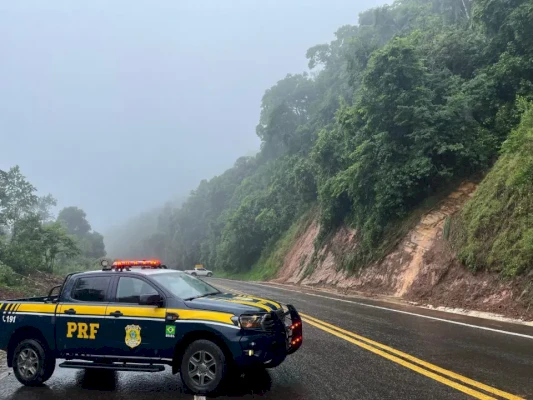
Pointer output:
x,y
138,330
80,323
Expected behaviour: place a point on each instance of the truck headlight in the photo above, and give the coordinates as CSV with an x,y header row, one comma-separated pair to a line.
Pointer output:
x,y
251,321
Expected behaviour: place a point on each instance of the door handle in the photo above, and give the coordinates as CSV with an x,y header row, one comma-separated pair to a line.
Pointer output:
x,y
116,314
172,317
70,311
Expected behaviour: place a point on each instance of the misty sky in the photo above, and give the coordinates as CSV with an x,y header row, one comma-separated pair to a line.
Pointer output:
x,y
116,106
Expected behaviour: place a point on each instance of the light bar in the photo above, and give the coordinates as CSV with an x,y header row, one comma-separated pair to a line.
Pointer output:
x,y
136,263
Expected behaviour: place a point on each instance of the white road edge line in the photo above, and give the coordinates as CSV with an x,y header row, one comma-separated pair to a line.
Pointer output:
x,y
398,311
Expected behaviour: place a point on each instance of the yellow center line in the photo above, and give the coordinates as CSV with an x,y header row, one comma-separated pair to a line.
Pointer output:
x,y
416,368
409,357
375,347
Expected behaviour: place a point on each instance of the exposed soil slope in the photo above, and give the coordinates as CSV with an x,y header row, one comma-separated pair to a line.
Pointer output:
x,y
421,268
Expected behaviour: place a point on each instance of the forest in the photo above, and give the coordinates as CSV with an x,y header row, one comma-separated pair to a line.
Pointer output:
x,y
33,239
408,101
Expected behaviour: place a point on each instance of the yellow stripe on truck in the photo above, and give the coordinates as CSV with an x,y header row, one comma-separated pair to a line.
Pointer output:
x,y
37,308
265,301
242,294
83,310
214,316
141,312
247,303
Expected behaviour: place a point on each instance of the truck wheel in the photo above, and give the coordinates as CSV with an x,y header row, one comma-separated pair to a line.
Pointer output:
x,y
193,274
50,368
203,367
209,275
32,364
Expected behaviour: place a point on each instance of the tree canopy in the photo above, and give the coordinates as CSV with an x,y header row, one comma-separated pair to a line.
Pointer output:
x,y
32,239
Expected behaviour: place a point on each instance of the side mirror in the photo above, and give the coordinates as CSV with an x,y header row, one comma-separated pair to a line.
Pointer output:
x,y
151,300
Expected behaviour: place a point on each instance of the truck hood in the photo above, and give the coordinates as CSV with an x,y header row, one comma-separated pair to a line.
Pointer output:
x,y
233,303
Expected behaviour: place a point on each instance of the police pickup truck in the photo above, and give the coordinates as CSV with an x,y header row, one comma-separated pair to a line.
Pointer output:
x,y
140,316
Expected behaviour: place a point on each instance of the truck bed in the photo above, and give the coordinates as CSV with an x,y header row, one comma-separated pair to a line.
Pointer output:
x,y
41,299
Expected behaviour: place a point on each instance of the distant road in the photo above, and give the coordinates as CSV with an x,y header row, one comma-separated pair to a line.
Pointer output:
x,y
353,349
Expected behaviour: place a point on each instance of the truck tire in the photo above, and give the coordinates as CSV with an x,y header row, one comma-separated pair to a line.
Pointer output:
x,y
50,368
203,367
32,364
209,275
193,274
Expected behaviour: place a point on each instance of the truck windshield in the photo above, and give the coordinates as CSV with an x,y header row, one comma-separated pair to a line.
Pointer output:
x,y
184,286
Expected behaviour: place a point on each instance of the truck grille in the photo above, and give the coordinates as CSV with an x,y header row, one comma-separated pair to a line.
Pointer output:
x,y
275,318
269,323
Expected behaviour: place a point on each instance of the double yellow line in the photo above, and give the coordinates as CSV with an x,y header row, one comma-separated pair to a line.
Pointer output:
x,y
429,370
406,360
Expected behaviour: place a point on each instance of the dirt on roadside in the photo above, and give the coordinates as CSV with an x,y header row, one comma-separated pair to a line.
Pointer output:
x,y
36,284
422,269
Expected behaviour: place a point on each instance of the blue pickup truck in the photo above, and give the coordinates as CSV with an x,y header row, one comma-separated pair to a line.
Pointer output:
x,y
140,316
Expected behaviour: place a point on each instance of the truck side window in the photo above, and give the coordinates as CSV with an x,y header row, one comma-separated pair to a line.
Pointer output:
x,y
130,289
90,289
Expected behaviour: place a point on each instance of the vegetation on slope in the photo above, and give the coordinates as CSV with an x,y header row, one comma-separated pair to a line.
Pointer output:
x,y
495,229
419,94
32,240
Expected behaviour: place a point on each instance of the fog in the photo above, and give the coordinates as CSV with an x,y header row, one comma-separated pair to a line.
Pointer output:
x,y
117,106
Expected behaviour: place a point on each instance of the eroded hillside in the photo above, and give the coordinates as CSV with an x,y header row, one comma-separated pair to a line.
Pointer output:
x,y
421,268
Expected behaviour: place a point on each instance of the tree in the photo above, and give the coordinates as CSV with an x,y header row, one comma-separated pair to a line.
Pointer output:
x,y
74,220
92,245
25,250
29,240
44,204
17,196
56,242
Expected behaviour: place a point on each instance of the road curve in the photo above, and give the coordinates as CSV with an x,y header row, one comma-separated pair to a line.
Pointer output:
x,y
353,349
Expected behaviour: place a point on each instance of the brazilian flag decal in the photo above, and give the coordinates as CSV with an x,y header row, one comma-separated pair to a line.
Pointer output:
x,y
170,331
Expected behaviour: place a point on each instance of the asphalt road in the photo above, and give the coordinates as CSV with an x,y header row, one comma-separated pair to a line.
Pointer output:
x,y
353,349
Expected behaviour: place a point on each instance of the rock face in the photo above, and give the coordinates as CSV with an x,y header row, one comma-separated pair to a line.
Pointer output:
x,y
420,268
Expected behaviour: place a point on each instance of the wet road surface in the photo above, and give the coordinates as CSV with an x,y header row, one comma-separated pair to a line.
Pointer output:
x,y
353,349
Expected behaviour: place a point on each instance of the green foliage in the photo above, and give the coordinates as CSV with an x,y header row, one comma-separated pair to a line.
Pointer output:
x,y
417,96
495,229
273,255
8,277
31,240
74,221
17,197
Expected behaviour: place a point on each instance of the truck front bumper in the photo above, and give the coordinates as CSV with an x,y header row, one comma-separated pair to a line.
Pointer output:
x,y
272,347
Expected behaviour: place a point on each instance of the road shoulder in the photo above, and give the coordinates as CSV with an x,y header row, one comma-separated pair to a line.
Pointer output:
x,y
505,325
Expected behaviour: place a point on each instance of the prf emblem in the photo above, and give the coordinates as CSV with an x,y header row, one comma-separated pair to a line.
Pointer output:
x,y
133,336
82,330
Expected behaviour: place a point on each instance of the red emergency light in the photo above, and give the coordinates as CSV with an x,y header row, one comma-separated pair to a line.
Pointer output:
x,y
136,263
127,264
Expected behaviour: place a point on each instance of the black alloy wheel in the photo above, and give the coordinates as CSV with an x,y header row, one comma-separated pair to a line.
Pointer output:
x,y
203,367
